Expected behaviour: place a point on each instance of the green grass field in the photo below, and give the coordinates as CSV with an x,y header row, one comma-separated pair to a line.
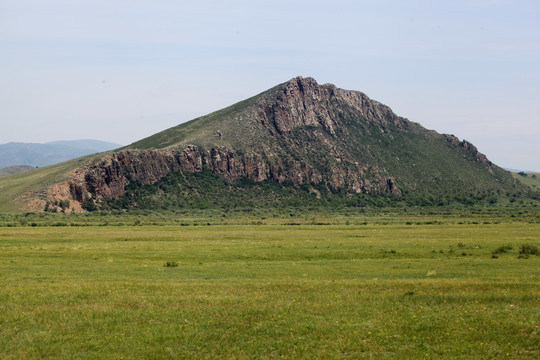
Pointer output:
x,y
531,179
381,290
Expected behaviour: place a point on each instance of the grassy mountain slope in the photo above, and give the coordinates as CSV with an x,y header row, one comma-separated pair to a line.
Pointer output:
x,y
528,178
16,190
199,128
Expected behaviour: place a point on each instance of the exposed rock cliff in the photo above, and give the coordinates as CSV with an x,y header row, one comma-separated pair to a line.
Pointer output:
x,y
108,177
302,102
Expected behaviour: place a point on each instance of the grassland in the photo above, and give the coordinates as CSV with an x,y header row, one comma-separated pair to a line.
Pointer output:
x,y
530,179
335,286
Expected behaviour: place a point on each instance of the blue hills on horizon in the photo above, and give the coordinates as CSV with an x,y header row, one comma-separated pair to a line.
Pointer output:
x,y
520,170
44,154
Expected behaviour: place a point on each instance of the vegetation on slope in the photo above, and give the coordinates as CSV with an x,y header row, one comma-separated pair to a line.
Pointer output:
x,y
202,131
205,190
16,190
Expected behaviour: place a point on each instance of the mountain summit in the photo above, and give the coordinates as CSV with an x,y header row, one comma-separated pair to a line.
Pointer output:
x,y
298,134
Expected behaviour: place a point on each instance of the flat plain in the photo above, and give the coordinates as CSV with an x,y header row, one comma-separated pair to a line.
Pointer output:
x,y
352,288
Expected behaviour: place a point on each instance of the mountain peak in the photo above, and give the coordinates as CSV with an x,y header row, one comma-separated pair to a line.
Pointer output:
x,y
299,102
303,102
303,81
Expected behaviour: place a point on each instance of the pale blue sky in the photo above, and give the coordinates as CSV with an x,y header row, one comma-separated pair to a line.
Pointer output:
x,y
121,70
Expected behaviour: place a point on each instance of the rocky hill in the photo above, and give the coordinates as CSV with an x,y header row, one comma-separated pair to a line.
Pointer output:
x,y
316,140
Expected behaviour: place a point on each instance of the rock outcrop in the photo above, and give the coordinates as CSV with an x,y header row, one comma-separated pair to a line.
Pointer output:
x,y
108,177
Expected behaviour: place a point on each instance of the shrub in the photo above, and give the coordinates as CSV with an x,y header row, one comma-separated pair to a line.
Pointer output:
x,y
89,205
528,249
502,249
171,264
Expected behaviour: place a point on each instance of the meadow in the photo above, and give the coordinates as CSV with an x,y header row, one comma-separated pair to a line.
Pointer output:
x,y
311,286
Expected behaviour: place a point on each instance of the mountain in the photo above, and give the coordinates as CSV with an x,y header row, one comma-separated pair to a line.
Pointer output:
x,y
297,144
35,154
10,170
520,170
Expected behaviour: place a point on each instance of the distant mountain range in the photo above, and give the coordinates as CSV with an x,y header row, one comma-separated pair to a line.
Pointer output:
x,y
519,170
14,169
36,154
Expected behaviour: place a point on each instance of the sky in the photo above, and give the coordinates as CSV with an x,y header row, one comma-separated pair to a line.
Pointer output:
x,y
120,70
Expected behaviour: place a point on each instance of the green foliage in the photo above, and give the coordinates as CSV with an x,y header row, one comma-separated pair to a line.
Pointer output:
x,y
55,205
456,214
89,205
206,190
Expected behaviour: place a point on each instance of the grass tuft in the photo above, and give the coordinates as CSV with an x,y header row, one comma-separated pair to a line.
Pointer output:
x,y
502,249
